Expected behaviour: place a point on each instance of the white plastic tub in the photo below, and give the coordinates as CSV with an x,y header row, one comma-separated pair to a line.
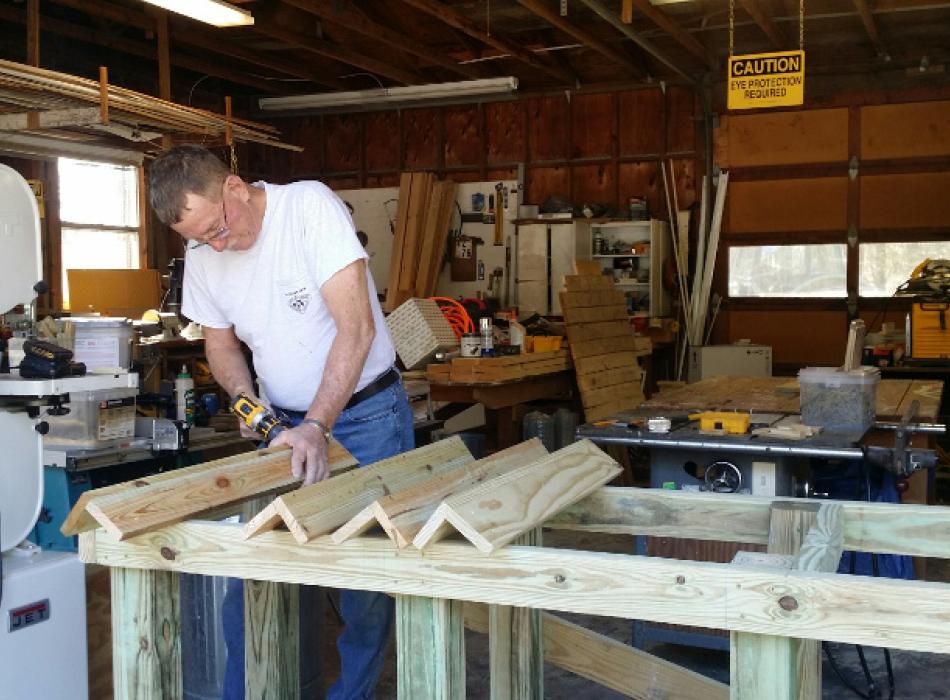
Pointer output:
x,y
96,419
102,343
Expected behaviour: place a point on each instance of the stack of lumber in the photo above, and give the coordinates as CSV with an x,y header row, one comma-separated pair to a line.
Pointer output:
x,y
602,345
419,497
423,218
491,370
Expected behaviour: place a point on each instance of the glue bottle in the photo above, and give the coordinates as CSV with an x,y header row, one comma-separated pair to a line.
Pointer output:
x,y
185,396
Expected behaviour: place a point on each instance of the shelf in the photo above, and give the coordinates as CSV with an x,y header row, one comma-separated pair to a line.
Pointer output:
x,y
631,255
620,224
631,283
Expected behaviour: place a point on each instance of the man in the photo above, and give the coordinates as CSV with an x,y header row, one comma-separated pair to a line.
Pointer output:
x,y
281,269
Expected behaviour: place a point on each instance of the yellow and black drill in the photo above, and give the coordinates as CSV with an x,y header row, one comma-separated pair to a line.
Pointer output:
x,y
257,417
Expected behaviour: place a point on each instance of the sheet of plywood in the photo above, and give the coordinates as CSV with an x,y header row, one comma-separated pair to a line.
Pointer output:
x,y
402,515
320,508
114,292
500,509
153,501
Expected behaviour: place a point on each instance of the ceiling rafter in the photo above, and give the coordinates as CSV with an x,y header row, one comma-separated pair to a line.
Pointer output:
x,y
764,20
682,37
546,13
454,19
870,26
344,14
613,19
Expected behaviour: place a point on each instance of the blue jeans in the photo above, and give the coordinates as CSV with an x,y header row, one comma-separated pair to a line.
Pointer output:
x,y
379,427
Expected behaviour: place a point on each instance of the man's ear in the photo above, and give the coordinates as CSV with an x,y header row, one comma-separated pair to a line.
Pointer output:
x,y
235,185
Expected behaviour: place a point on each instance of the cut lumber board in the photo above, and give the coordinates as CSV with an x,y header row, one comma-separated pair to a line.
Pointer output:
x,y
612,312
402,515
603,346
611,663
601,297
602,363
580,332
628,390
500,509
436,235
587,283
611,377
395,262
320,508
610,408
145,504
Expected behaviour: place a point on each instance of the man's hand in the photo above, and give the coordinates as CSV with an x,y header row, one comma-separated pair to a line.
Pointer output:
x,y
309,456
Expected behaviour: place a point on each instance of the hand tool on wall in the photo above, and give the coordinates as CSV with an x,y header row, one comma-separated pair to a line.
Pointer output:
x,y
258,417
500,197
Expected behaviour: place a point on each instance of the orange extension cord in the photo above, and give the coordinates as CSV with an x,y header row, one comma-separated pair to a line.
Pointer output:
x,y
456,315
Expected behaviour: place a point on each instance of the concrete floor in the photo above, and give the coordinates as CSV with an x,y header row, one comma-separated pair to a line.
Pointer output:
x,y
917,676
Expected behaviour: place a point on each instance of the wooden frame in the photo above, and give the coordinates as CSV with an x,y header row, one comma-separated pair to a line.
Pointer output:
x,y
771,607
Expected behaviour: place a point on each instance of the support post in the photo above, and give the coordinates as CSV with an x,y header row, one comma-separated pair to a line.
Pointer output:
x,y
765,667
146,638
271,633
430,648
516,652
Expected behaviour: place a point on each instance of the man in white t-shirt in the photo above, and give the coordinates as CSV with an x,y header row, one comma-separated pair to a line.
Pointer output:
x,y
279,268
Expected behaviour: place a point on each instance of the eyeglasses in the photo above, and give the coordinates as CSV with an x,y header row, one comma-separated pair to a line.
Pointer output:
x,y
208,240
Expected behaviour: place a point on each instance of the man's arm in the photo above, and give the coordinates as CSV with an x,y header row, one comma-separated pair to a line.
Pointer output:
x,y
227,361
347,299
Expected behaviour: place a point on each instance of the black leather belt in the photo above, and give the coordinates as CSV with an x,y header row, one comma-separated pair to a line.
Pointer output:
x,y
381,382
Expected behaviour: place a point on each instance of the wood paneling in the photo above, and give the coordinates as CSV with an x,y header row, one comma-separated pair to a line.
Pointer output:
x,y
548,127
510,173
545,182
680,120
307,132
797,336
505,125
912,200
342,143
593,184
783,138
387,180
420,138
643,179
350,182
806,204
593,129
382,141
640,130
463,143
917,129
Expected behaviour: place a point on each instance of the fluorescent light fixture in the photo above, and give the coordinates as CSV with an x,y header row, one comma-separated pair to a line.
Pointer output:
x,y
392,96
215,12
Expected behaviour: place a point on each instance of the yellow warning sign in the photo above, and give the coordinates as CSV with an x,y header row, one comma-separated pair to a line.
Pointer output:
x,y
766,80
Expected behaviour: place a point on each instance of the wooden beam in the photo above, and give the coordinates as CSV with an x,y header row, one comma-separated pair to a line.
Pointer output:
x,y
33,32
682,37
49,119
146,634
451,17
764,20
320,508
346,15
834,607
430,648
541,9
498,510
402,515
893,528
610,16
870,26
322,47
138,506
610,663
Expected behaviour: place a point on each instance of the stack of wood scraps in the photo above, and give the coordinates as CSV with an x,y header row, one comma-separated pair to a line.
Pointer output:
x,y
603,345
493,370
423,219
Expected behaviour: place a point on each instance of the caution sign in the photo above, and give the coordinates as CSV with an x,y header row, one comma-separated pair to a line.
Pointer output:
x,y
766,80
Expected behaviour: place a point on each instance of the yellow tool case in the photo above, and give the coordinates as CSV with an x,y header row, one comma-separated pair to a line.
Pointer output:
x,y
930,330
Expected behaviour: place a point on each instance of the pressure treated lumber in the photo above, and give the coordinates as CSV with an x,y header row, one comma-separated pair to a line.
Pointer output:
x,y
402,515
138,506
888,528
498,510
322,507
610,663
430,648
834,607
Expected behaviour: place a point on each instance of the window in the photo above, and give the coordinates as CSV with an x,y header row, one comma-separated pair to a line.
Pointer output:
x,y
788,271
99,210
882,267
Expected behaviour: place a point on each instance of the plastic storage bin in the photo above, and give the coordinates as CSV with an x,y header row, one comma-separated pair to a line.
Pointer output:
x,y
96,419
837,400
102,342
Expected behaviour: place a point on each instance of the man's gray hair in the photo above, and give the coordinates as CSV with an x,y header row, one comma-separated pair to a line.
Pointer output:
x,y
180,171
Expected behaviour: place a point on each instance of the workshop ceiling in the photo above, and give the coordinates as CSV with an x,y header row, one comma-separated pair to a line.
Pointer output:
x,y
305,46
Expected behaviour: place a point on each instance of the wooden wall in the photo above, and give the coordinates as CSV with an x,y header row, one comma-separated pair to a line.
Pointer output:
x,y
593,148
790,183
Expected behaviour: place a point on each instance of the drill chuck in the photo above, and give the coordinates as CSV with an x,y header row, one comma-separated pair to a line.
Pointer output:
x,y
257,417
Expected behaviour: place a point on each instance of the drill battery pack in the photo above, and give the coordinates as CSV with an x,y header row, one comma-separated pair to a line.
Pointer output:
x,y
43,360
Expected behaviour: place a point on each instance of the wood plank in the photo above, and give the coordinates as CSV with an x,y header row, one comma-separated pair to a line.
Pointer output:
x,y
419,205
602,363
399,236
500,509
433,236
611,377
581,332
606,410
835,607
576,300
610,663
589,348
320,508
612,312
144,504
146,634
402,515
587,283
430,648
629,392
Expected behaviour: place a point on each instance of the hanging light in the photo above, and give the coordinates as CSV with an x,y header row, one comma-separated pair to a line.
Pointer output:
x,y
216,12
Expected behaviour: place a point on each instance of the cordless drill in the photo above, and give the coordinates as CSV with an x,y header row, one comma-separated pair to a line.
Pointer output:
x,y
257,417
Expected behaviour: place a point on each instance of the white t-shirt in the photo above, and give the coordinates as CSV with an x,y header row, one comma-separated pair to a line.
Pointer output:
x,y
270,293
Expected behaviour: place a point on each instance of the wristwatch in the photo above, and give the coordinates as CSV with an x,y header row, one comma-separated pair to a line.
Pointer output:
x,y
320,426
